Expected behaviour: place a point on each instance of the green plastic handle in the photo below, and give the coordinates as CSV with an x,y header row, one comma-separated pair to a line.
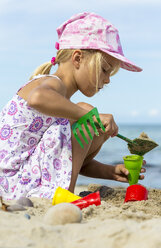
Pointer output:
x,y
126,139
120,136
88,118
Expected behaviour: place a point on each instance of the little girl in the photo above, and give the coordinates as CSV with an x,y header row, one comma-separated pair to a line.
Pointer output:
x,y
38,151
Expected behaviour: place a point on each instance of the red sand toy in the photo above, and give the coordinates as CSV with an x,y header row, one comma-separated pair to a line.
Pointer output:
x,y
93,198
63,195
136,192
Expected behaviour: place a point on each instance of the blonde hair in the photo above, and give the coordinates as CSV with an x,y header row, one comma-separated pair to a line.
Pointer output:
x,y
61,57
94,59
95,64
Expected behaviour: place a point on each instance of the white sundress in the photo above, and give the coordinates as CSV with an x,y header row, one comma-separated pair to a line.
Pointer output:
x,y
35,151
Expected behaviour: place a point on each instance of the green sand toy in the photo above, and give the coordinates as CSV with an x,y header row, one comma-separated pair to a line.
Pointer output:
x,y
138,146
133,164
88,118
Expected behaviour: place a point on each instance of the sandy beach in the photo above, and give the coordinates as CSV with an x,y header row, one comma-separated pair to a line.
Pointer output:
x,y
113,224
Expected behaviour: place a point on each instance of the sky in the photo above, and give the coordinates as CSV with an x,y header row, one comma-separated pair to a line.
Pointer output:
x,y
28,36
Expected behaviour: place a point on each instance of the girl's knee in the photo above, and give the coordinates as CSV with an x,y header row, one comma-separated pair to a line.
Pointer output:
x,y
85,105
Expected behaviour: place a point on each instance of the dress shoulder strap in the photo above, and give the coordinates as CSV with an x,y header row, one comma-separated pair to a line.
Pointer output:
x,y
38,76
45,75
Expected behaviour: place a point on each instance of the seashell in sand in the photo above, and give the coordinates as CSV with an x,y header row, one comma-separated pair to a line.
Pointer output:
x,y
15,207
24,201
63,213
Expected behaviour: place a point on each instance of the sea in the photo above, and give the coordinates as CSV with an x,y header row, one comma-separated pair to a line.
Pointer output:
x,y
114,149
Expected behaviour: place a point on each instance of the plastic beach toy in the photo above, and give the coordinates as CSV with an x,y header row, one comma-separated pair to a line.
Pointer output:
x,y
63,195
136,193
87,118
93,198
129,141
133,164
142,145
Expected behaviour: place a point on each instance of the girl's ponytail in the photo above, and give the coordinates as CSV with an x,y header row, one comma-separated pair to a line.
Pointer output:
x,y
62,56
42,69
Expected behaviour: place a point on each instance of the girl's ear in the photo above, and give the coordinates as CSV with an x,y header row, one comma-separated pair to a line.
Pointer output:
x,y
77,58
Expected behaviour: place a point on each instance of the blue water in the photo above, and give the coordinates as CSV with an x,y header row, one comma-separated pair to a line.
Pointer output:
x,y
114,149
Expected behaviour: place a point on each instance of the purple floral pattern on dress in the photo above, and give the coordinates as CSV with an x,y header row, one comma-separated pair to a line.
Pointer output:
x,y
35,152
32,141
30,151
9,173
63,139
42,147
49,120
3,153
46,175
57,164
5,132
35,169
12,108
62,121
26,179
36,125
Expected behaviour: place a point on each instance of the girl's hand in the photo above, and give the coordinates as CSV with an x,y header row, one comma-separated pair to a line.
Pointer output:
x,y
121,173
110,126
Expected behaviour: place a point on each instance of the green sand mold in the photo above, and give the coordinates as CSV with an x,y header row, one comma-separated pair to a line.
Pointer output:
x,y
133,164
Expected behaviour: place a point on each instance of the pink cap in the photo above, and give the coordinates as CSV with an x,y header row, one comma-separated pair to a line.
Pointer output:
x,y
91,31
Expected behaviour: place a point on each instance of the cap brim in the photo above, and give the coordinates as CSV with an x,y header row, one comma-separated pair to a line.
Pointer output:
x,y
125,63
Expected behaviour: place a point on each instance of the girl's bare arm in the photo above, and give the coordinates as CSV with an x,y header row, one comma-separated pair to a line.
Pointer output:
x,y
49,98
118,172
95,169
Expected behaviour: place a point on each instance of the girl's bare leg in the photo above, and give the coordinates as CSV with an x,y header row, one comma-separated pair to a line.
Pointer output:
x,y
79,155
